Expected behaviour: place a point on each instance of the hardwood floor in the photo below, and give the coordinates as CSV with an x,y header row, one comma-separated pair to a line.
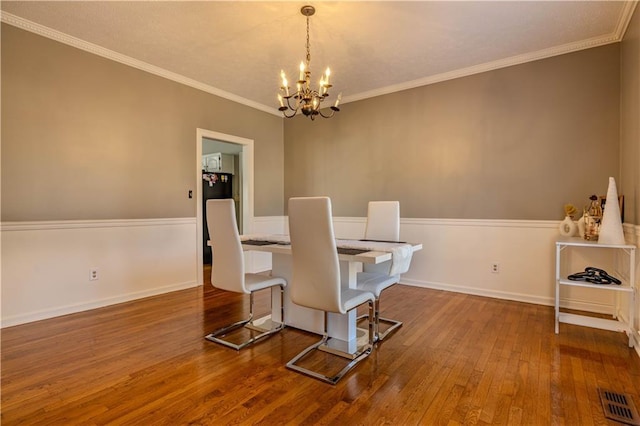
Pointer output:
x,y
458,359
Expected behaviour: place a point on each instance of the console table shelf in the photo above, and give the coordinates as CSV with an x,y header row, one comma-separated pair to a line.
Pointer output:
x,y
627,288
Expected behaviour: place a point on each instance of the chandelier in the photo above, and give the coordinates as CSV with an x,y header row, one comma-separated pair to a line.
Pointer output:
x,y
306,99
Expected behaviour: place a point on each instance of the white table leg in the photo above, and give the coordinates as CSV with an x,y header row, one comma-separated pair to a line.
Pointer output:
x,y
341,328
294,315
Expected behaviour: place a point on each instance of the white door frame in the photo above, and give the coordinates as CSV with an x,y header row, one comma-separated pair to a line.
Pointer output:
x,y
246,164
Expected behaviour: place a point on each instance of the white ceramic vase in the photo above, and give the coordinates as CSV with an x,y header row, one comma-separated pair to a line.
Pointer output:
x,y
568,228
611,231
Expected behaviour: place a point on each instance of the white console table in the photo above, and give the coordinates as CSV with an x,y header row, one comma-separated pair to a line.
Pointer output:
x,y
627,288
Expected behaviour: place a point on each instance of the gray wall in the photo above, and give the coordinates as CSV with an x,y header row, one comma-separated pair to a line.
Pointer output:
x,y
515,143
84,137
630,120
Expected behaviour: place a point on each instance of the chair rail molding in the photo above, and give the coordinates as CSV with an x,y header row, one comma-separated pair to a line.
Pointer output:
x,y
105,223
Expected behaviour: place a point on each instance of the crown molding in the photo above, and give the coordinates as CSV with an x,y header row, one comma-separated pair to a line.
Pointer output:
x,y
61,37
625,18
488,66
623,22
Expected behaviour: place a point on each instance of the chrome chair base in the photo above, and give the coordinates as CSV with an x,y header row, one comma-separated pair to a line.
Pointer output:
x,y
341,348
265,326
325,345
328,379
217,336
394,324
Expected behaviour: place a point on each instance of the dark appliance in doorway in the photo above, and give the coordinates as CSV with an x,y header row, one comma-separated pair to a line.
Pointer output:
x,y
216,186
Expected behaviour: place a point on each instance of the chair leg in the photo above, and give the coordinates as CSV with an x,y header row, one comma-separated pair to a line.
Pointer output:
x,y
394,324
217,335
325,338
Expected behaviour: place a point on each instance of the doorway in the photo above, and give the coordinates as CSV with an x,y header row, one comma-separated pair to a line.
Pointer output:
x,y
244,148
221,178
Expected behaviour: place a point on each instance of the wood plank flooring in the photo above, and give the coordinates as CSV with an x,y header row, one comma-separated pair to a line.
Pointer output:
x,y
458,359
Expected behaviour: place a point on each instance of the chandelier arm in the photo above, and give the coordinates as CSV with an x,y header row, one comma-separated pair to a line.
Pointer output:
x,y
326,116
288,102
295,111
293,108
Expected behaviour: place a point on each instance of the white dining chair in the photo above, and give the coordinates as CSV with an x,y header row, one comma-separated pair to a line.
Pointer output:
x,y
227,273
315,281
383,224
383,221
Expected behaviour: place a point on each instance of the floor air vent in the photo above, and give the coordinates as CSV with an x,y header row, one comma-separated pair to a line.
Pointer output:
x,y
619,407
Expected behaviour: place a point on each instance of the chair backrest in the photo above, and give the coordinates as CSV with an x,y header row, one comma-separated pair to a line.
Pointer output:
x,y
227,269
316,270
383,221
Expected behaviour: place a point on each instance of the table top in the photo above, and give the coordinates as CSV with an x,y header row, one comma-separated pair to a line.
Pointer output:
x,y
348,250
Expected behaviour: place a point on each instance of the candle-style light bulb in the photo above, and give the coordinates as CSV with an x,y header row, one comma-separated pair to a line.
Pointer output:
x,y
338,100
285,83
301,71
280,100
327,73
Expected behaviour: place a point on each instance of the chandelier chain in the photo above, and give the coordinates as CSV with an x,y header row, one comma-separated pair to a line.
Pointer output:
x,y
308,45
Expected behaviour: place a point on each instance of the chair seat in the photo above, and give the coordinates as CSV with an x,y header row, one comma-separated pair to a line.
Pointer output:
x,y
255,282
351,298
375,283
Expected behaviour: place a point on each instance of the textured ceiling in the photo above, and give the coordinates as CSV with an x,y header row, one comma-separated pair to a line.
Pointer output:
x,y
238,48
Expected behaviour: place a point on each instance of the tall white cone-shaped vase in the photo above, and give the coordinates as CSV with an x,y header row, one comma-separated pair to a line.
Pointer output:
x,y
611,231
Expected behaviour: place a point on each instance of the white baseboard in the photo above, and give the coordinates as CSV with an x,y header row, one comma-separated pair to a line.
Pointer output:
x,y
94,304
582,305
517,297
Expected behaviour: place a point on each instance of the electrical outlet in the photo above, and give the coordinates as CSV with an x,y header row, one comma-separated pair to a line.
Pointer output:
x,y
93,274
495,268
